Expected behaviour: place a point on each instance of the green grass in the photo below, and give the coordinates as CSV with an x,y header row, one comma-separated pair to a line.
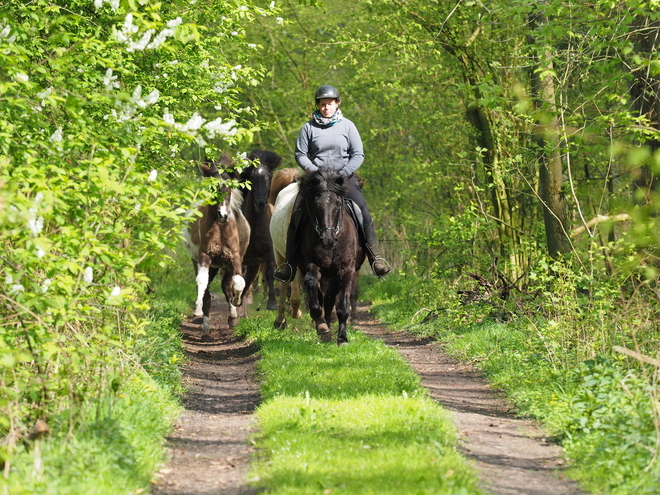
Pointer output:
x,y
598,408
349,420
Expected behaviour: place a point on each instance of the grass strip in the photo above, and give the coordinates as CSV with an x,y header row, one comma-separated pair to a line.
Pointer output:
x,y
350,420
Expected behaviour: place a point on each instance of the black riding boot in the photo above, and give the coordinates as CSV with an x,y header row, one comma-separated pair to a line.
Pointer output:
x,y
287,271
379,265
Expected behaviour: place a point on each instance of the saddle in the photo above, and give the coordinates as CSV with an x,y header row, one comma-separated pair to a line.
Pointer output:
x,y
356,214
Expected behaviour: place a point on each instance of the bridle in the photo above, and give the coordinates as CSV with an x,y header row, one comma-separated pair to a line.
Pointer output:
x,y
320,230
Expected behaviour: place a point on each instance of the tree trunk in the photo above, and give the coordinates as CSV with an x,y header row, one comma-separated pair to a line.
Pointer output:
x,y
551,169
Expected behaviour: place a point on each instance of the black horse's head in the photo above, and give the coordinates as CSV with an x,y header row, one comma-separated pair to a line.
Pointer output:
x,y
323,194
260,175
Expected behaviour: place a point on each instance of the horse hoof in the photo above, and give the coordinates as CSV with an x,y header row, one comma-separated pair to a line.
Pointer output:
x,y
272,306
342,343
279,325
206,338
197,320
232,321
324,336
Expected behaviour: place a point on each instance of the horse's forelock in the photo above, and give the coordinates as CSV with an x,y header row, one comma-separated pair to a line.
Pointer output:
x,y
319,182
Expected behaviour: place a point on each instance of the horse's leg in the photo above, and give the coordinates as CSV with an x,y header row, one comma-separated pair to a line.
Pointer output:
x,y
280,319
311,281
250,277
206,305
295,300
343,309
269,270
233,285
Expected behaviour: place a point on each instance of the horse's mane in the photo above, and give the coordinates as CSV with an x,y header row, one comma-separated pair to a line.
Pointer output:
x,y
316,183
236,199
267,158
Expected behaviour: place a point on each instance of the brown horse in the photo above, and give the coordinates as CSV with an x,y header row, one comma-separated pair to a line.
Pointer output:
x,y
218,240
258,211
330,251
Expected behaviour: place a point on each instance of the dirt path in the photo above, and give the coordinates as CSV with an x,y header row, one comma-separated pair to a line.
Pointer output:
x,y
210,444
510,453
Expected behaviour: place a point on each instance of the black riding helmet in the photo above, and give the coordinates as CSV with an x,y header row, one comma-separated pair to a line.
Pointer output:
x,y
327,91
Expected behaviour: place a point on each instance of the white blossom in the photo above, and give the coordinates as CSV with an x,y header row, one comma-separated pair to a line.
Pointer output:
x,y
5,31
153,175
138,206
152,97
194,123
218,128
56,137
45,285
174,22
21,77
234,33
251,45
115,291
9,279
42,95
244,7
160,38
17,288
36,225
279,20
272,5
88,275
168,118
109,81
142,43
40,253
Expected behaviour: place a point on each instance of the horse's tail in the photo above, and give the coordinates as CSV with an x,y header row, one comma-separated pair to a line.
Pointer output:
x,y
281,179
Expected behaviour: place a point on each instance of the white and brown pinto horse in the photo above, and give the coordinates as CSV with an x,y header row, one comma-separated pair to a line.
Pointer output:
x,y
217,240
283,191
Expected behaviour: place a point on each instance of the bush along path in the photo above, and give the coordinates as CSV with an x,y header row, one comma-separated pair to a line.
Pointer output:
x,y
355,419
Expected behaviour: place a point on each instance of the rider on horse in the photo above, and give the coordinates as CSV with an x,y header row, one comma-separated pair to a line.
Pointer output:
x,y
331,141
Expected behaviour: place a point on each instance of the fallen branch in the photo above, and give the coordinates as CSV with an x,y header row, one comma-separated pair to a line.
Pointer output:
x,y
598,220
638,356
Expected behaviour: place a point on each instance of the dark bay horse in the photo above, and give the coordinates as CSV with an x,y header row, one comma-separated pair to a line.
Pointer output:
x,y
331,252
217,241
258,211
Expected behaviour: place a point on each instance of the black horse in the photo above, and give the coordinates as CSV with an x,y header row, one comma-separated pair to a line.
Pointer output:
x,y
331,252
258,211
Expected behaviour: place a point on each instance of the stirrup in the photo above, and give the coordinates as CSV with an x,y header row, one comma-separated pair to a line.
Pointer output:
x,y
387,263
281,268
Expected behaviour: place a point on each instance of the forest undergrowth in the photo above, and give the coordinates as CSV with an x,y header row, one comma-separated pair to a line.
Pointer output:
x,y
107,433
583,365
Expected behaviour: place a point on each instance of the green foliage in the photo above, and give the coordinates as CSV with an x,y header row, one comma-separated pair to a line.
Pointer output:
x,y
105,108
610,426
553,356
352,419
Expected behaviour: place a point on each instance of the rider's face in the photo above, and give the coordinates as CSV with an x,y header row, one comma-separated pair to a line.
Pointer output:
x,y
327,107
